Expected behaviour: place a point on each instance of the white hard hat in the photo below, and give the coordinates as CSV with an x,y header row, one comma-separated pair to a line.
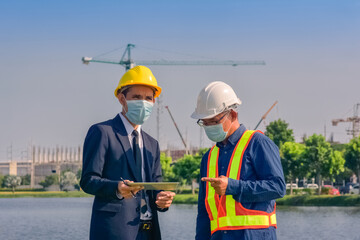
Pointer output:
x,y
213,99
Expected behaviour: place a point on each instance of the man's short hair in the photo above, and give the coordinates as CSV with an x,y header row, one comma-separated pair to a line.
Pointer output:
x,y
125,90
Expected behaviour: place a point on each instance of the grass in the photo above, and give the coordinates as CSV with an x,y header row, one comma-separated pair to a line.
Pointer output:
x,y
185,199
322,200
43,194
188,198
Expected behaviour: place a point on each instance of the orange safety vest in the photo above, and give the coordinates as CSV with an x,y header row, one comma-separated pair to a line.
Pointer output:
x,y
225,213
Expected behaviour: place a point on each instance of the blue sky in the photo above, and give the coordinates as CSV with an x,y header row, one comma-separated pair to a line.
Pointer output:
x,y
48,97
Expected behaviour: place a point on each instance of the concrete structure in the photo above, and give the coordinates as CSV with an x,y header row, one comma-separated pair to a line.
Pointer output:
x,y
44,162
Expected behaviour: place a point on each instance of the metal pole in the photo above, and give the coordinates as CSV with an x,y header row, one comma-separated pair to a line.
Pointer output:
x,y
264,116
182,139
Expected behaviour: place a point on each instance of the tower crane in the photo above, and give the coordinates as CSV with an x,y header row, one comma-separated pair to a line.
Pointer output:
x,y
129,62
355,120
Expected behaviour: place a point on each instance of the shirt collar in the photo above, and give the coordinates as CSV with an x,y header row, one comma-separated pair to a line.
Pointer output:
x,y
233,138
128,127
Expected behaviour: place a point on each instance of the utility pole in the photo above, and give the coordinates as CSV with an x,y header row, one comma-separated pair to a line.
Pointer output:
x,y
159,111
201,137
32,170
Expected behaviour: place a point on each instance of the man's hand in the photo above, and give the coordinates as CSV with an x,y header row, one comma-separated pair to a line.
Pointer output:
x,y
164,199
127,191
219,184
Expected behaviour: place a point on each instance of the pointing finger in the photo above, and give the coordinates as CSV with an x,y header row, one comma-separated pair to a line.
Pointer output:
x,y
210,179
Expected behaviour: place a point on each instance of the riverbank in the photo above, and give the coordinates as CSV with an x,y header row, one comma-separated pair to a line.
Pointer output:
x,y
303,200
43,194
296,200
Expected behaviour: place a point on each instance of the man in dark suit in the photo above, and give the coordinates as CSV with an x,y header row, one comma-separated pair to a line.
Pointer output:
x,y
118,152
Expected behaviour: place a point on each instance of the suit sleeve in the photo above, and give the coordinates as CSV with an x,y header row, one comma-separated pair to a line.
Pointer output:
x,y
269,183
157,175
94,154
203,231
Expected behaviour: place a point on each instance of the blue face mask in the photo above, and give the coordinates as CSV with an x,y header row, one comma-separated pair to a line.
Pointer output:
x,y
138,111
215,133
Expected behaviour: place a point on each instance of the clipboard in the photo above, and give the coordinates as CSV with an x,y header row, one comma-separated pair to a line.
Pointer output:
x,y
156,185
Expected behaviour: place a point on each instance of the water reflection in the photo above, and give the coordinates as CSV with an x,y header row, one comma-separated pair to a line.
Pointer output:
x,y
69,218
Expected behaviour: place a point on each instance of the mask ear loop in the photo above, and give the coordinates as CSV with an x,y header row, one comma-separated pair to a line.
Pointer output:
x,y
229,126
125,110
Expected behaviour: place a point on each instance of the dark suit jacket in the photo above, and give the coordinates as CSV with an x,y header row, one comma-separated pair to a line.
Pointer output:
x,y
107,156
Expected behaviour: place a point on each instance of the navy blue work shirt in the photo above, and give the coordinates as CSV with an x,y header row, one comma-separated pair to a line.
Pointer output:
x,y
261,181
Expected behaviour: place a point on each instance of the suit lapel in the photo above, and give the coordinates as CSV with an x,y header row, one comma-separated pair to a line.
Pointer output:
x,y
124,141
148,160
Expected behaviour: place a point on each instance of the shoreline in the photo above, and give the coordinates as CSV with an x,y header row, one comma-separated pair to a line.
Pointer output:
x,y
295,200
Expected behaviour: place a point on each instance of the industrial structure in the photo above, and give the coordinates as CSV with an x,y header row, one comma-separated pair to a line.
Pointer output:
x,y
44,162
354,131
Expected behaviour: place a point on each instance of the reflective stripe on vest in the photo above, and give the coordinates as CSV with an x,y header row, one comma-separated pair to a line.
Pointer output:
x,y
224,212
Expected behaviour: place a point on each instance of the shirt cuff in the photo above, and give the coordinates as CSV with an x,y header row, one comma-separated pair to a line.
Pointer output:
x,y
119,196
233,187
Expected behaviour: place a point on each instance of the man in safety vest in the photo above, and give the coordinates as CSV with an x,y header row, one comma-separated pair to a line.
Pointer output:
x,y
241,175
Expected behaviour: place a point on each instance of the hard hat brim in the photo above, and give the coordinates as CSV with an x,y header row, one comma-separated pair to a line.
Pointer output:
x,y
196,115
157,89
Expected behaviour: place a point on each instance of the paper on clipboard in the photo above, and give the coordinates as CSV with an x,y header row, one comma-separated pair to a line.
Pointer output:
x,y
156,185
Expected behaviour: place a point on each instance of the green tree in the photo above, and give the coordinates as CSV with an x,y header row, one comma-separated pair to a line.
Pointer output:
x,y
352,156
187,169
12,181
68,179
25,180
278,132
1,180
322,160
52,179
338,146
78,173
167,171
292,161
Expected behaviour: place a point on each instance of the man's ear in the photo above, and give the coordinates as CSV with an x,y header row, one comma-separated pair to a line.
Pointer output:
x,y
233,115
122,100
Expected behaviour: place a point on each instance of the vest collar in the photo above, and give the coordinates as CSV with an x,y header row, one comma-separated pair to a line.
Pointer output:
x,y
234,138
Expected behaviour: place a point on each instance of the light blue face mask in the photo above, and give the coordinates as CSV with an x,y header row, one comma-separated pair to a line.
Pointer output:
x,y
138,111
215,133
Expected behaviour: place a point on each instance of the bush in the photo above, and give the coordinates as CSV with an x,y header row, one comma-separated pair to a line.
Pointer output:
x,y
11,181
68,181
325,190
25,180
50,180
1,180
302,191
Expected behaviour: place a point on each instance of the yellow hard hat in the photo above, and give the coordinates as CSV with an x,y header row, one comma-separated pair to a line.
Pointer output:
x,y
139,75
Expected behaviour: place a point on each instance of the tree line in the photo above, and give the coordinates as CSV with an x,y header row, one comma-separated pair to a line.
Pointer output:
x,y
314,157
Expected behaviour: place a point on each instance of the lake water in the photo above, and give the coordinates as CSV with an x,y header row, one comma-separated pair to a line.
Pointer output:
x,y
69,218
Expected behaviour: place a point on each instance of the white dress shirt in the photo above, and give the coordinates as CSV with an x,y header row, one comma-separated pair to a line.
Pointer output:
x,y
129,129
